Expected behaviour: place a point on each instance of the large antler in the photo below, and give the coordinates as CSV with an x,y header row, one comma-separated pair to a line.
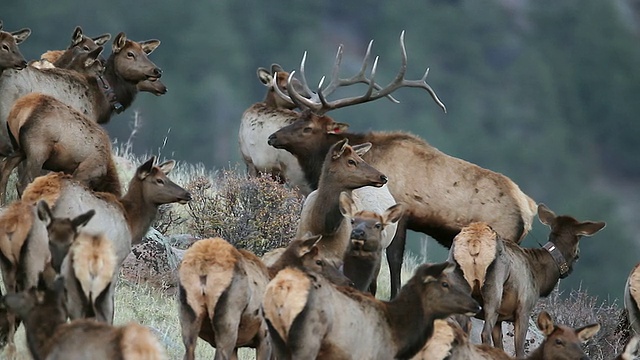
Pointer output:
x,y
320,105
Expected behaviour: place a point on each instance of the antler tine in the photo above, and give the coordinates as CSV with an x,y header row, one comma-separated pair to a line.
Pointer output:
x,y
303,78
335,81
276,88
298,99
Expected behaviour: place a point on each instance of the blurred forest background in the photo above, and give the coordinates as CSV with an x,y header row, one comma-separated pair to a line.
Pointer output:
x,y
543,91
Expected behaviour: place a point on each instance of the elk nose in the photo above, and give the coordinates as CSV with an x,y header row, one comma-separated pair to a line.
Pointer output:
x,y
157,72
357,234
384,179
22,65
272,139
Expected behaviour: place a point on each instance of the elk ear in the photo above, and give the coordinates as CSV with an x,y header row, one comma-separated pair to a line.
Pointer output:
x,y
347,205
589,228
587,332
148,46
119,42
92,56
545,323
361,149
449,268
167,166
82,220
21,35
545,215
265,76
102,39
76,37
339,148
145,169
393,214
276,68
1,24
44,212
309,242
337,128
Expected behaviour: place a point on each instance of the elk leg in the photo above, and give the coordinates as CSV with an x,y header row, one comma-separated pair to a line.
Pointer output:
x,y
395,254
491,296
521,325
35,158
225,325
263,350
8,165
497,335
190,323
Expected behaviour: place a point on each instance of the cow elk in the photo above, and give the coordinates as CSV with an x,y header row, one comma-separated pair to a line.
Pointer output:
x,y
10,56
45,134
221,292
363,258
310,318
632,299
449,341
49,336
79,42
123,221
97,98
441,193
507,279
322,212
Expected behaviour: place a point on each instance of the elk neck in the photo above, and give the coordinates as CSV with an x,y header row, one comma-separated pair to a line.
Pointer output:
x,y
544,267
410,325
123,91
137,210
41,326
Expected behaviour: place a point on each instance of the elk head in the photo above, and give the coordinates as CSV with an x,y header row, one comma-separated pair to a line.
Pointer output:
x,y
563,342
87,63
277,77
367,227
80,40
156,87
131,61
10,56
306,255
566,231
344,167
62,232
155,187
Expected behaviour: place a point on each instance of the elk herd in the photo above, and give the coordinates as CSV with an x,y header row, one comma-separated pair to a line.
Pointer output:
x,y
63,240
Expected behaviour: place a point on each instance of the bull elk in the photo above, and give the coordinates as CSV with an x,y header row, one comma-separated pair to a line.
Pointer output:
x,y
441,193
44,132
507,279
632,299
97,98
49,336
323,213
10,56
363,258
221,292
122,220
449,341
309,318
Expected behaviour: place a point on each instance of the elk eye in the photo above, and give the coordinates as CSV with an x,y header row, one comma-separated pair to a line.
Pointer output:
x,y
353,221
160,181
5,47
378,226
130,54
319,262
307,130
85,48
445,284
352,162
559,342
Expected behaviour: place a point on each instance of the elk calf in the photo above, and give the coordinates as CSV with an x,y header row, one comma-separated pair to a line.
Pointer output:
x,y
49,336
507,279
363,258
221,291
10,57
309,318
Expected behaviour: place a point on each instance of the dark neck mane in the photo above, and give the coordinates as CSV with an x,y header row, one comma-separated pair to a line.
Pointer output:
x,y
410,325
139,214
125,91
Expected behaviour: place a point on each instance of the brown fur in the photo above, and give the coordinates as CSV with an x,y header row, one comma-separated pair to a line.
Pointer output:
x,y
518,277
632,298
474,248
46,188
457,192
571,339
343,171
94,264
12,59
313,319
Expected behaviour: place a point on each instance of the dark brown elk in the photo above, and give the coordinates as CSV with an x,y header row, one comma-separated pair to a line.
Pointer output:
x,y
263,118
49,336
123,220
45,132
309,318
441,193
322,213
507,279
449,341
10,56
97,98
363,258
632,299
221,292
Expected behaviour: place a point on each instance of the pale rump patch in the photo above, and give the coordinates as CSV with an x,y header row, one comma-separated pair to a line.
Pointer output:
x,y
94,263
45,188
138,343
52,55
20,112
528,208
285,298
206,271
474,250
15,225
440,343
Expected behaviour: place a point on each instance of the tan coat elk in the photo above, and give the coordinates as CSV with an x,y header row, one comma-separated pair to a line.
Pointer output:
x,y
127,65
309,318
49,336
11,58
441,193
221,291
123,220
507,279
